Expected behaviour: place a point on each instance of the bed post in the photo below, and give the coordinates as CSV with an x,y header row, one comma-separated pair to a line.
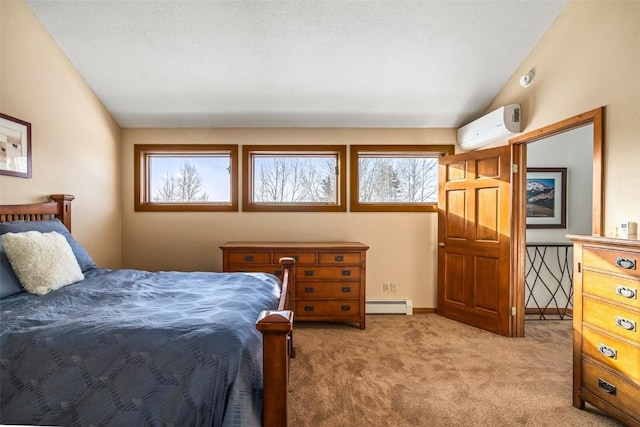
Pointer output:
x,y
277,348
64,208
276,327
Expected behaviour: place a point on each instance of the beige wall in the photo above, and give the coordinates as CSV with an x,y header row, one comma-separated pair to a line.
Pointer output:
x,y
590,57
75,142
403,245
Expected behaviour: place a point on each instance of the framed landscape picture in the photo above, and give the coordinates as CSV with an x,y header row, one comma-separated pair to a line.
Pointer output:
x,y
15,147
546,198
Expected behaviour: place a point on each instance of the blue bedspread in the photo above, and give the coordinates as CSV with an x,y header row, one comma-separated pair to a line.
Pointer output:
x,y
134,348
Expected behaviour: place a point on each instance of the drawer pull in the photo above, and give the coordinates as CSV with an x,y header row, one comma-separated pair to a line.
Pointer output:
x,y
625,292
308,273
609,352
308,290
339,258
295,257
346,308
308,308
248,257
627,324
346,272
626,263
277,273
346,289
607,387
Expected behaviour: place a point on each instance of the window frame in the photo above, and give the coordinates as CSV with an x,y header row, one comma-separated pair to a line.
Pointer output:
x,y
247,178
142,191
354,174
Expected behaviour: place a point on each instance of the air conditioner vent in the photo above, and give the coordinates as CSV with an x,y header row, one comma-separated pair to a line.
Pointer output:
x,y
498,125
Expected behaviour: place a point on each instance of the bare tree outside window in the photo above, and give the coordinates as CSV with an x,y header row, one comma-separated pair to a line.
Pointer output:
x,y
392,179
420,179
294,179
182,187
185,178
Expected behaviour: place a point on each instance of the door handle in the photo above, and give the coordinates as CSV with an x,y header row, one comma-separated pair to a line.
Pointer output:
x,y
441,244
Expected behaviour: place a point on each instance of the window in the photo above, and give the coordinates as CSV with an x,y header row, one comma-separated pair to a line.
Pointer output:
x,y
294,178
402,178
186,177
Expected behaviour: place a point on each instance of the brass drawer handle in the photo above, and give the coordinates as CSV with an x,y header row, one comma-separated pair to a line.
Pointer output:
x,y
308,308
345,308
607,387
248,257
626,263
625,292
308,273
609,352
308,290
346,289
346,272
339,258
627,324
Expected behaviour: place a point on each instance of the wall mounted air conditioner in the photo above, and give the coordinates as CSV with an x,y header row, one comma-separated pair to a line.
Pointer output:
x,y
498,124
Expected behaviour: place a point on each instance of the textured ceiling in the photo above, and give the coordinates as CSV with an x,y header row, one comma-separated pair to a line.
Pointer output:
x,y
299,63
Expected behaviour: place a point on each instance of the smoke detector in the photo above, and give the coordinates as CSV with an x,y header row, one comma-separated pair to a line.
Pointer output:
x,y
526,79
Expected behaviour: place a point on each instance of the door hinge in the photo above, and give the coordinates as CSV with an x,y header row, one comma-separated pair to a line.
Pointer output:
x,y
514,168
513,311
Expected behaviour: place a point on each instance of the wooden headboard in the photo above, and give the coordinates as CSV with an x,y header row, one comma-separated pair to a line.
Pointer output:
x,y
59,207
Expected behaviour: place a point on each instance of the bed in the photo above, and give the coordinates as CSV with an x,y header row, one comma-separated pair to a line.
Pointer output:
x,y
132,347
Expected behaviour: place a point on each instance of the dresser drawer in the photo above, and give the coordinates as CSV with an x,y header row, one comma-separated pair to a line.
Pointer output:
x,y
300,257
253,268
328,273
611,388
327,290
329,308
612,288
618,355
611,318
618,261
339,258
330,279
250,258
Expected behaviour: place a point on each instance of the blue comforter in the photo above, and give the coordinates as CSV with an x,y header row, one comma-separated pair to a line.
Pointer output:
x,y
134,348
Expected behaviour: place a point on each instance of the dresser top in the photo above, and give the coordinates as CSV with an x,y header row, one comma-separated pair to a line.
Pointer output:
x,y
295,245
632,240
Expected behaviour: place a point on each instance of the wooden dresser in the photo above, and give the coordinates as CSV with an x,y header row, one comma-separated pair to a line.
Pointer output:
x,y
330,276
606,326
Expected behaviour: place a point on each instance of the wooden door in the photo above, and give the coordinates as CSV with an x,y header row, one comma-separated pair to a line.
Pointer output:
x,y
474,233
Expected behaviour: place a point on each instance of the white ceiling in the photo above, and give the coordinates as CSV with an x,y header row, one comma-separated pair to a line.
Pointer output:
x,y
296,63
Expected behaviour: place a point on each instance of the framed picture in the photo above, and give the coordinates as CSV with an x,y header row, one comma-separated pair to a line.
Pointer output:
x,y
546,197
15,145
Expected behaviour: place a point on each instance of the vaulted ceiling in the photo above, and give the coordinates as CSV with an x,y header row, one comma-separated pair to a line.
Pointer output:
x,y
296,63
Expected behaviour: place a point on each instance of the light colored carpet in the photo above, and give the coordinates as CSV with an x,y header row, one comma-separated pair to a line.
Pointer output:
x,y
426,370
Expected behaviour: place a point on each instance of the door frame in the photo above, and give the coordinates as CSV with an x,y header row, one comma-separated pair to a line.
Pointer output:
x,y
518,203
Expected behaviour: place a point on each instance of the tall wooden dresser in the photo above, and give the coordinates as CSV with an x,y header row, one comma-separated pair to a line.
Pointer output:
x,y
606,325
330,276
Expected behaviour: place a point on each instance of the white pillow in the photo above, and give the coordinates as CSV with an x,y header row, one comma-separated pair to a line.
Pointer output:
x,y
43,262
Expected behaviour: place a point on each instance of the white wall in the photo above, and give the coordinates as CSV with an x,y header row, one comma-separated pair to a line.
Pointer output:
x,y
572,150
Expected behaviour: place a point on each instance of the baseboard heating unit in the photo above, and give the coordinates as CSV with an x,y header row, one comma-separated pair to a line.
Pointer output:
x,y
389,306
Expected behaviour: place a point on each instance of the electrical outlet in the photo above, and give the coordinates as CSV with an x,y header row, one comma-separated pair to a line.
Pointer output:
x,y
393,287
385,287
